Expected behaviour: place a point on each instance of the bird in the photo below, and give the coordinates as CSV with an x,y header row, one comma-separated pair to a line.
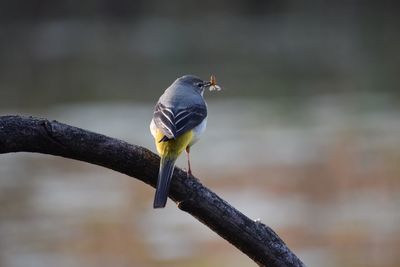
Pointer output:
x,y
179,119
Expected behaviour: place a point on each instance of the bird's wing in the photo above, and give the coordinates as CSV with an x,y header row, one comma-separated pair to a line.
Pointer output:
x,y
173,123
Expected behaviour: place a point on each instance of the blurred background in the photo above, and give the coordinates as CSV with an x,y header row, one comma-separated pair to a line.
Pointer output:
x,y
304,135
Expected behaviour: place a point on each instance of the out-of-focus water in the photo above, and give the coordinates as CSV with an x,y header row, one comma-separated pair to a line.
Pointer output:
x,y
322,172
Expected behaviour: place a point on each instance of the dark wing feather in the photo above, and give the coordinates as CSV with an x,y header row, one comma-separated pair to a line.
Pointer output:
x,y
187,119
164,118
175,123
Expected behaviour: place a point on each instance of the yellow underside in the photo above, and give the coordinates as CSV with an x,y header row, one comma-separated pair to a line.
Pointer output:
x,y
174,147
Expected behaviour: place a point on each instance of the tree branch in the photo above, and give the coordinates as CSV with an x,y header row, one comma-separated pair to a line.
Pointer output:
x,y
258,241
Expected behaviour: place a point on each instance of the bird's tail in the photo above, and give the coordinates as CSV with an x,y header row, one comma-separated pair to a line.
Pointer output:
x,y
164,179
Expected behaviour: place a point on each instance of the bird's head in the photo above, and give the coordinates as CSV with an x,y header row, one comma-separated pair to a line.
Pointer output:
x,y
198,84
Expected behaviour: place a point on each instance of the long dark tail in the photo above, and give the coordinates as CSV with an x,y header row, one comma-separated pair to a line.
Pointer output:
x,y
164,179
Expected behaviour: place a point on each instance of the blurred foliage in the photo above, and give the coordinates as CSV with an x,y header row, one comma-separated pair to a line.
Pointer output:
x,y
69,51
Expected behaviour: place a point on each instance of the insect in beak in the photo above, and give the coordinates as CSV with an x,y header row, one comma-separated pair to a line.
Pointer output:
x,y
213,84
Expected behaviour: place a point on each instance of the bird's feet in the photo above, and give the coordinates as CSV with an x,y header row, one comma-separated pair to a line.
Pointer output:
x,y
188,172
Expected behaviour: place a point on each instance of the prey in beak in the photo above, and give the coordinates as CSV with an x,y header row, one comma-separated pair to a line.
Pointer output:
x,y
212,84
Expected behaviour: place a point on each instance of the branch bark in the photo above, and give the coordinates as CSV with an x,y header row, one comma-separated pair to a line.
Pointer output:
x,y
258,241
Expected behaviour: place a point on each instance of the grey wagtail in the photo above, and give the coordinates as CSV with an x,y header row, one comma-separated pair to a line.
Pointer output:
x,y
180,117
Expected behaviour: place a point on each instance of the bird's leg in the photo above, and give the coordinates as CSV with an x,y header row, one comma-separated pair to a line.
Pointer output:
x,y
189,171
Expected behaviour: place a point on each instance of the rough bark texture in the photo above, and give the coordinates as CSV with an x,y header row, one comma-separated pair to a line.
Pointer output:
x,y
258,241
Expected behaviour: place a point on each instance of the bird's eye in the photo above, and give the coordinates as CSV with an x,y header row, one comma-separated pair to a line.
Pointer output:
x,y
199,85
